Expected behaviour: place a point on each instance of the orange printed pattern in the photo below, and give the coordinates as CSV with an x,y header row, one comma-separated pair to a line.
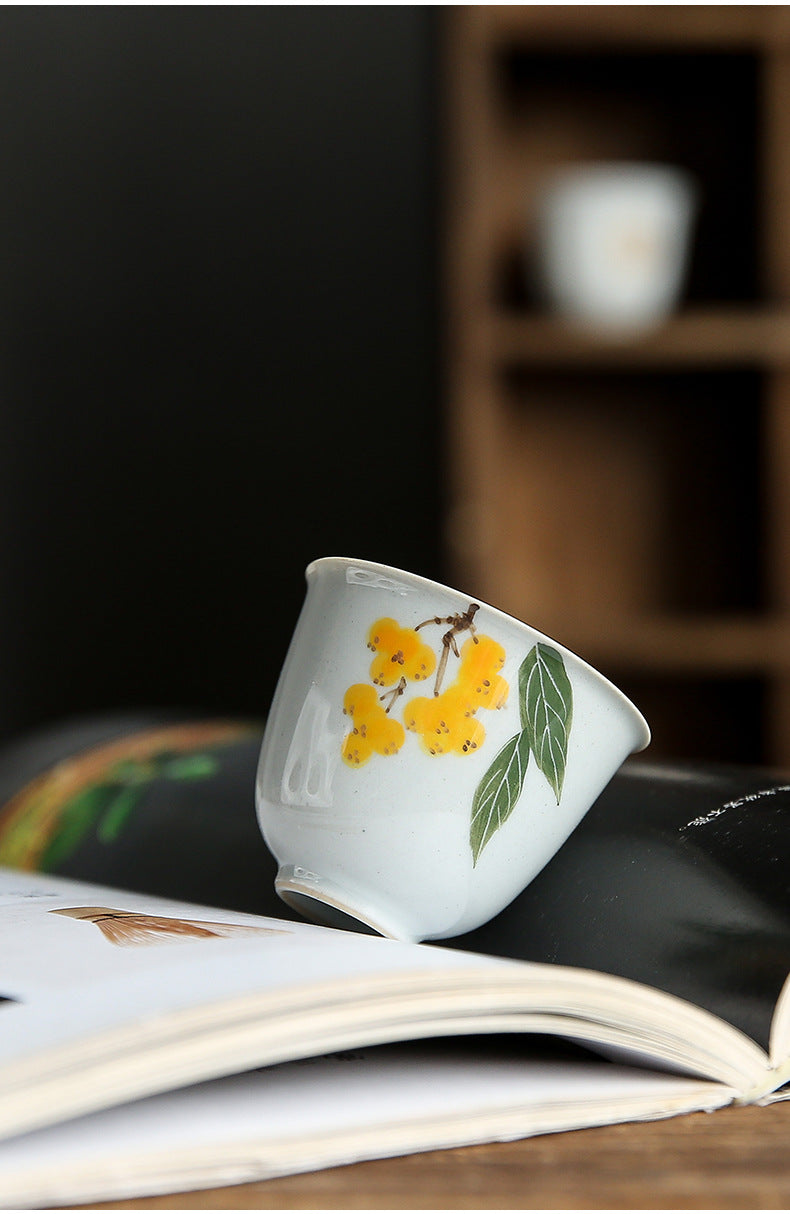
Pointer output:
x,y
131,928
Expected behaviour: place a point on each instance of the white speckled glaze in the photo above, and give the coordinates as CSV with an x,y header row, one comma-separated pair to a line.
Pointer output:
x,y
387,845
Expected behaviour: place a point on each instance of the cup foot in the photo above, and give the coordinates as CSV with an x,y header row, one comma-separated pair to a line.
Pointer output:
x,y
323,902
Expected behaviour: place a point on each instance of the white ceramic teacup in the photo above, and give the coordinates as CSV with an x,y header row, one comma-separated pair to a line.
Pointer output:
x,y
613,242
425,754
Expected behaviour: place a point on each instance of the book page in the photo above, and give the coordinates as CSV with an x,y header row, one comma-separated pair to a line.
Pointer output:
x,y
780,1033
109,996
106,958
335,1109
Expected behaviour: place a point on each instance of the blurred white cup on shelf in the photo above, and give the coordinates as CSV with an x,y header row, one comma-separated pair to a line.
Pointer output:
x,y
613,243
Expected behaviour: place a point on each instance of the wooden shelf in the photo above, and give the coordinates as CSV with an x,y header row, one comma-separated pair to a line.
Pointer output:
x,y
709,644
690,26
716,337
629,496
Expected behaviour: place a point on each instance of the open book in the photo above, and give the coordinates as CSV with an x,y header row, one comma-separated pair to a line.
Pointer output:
x,y
149,1045
111,998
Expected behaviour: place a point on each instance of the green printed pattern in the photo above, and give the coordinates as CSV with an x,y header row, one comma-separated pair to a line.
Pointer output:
x,y
107,805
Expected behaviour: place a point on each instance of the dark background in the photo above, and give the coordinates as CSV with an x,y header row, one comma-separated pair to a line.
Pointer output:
x,y
218,338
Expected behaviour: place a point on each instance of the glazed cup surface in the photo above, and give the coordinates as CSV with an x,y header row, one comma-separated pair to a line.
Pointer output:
x,y
425,754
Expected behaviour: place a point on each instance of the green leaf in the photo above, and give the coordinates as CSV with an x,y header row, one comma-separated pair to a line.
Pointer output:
x,y
117,812
498,791
546,703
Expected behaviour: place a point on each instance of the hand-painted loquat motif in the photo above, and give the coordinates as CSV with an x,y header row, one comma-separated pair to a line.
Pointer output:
x,y
460,622
400,653
373,730
446,722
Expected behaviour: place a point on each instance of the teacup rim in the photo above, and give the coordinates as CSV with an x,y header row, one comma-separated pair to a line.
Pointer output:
x,y
396,572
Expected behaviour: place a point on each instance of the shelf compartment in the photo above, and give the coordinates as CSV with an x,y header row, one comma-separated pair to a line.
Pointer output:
x,y
630,498
570,107
617,494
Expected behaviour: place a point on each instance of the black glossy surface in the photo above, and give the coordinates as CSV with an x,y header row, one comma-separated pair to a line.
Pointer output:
x,y
677,876
700,910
